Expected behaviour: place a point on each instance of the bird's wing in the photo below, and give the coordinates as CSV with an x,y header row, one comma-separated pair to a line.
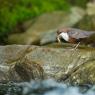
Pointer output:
x,y
76,33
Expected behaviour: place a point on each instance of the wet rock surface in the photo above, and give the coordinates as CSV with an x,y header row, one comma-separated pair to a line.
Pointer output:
x,y
27,62
25,71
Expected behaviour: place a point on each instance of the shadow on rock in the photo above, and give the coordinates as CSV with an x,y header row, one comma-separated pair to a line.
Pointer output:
x,y
25,71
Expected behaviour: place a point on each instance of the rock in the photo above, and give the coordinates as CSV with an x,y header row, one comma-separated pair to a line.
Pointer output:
x,y
25,62
48,37
91,8
83,74
10,88
21,69
13,53
22,26
3,73
25,70
47,22
88,22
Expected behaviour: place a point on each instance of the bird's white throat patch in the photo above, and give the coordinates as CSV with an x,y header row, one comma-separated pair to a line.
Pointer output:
x,y
65,36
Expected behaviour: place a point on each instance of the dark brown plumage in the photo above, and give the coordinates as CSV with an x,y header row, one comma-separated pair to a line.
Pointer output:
x,y
76,35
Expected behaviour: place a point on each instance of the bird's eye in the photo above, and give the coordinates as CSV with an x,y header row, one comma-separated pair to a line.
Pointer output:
x,y
59,32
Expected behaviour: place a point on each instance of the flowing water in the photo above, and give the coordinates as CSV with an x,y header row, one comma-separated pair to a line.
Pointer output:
x,y
46,87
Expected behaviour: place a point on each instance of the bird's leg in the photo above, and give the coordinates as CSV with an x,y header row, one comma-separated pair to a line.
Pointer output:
x,y
77,45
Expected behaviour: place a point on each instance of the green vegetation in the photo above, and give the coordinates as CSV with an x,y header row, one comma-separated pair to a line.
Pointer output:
x,y
17,11
13,12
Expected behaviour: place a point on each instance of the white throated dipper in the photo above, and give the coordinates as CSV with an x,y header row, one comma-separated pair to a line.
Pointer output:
x,y
78,36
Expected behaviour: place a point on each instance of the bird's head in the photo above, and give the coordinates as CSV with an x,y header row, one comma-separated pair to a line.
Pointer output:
x,y
59,31
62,34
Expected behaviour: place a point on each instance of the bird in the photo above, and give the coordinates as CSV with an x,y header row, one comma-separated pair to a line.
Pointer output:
x,y
76,36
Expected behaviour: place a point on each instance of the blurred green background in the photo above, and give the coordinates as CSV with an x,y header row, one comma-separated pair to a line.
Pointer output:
x,y
15,12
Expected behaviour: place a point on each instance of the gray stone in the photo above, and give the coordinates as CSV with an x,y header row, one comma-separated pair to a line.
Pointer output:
x,y
88,21
33,62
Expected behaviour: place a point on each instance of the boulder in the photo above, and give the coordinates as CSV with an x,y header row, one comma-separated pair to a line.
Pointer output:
x,y
20,69
26,62
90,8
25,70
22,26
88,21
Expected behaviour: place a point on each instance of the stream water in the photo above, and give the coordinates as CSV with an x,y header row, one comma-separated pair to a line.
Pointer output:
x,y
46,87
